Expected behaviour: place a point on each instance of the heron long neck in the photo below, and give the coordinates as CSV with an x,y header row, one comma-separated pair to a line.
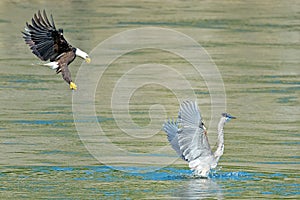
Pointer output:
x,y
220,147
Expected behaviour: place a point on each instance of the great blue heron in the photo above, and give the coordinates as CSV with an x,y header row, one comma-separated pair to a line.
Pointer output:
x,y
188,137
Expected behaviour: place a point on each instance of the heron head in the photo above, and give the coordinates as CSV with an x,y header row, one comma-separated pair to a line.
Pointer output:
x,y
228,117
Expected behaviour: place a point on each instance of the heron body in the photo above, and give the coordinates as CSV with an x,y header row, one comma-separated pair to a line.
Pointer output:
x,y
188,137
48,43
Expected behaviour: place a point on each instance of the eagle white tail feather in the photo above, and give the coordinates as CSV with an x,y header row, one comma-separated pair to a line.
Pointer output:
x,y
52,65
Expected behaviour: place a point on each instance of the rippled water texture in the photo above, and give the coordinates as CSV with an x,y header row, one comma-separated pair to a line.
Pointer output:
x,y
105,182
255,46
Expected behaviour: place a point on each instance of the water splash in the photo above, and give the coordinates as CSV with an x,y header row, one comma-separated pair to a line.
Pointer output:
x,y
175,182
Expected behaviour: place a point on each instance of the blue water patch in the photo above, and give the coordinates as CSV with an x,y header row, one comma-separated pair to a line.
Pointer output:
x,y
297,157
233,176
278,175
25,81
287,90
48,112
181,181
59,152
63,169
92,119
278,80
41,169
201,92
291,143
105,173
281,189
109,174
42,122
165,174
287,99
18,143
103,119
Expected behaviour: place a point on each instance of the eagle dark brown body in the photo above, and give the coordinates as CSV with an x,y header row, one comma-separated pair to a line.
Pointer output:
x,y
48,43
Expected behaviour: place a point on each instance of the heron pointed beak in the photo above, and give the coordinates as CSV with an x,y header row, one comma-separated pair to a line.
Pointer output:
x,y
88,60
231,117
227,115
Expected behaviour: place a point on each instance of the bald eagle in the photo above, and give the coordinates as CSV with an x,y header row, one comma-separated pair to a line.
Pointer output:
x,y
48,43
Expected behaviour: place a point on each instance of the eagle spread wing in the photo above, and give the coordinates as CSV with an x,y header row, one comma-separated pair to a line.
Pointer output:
x,y
44,40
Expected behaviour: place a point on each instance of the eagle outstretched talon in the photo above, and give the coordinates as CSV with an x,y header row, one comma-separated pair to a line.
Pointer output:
x,y
87,60
48,43
73,86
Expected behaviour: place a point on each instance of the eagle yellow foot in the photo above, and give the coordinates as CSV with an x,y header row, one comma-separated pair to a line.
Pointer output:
x,y
73,86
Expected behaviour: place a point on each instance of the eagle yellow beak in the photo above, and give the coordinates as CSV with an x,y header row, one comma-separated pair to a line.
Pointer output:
x,y
73,86
88,60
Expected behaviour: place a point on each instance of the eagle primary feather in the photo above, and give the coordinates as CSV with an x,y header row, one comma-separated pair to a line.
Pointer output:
x,y
48,43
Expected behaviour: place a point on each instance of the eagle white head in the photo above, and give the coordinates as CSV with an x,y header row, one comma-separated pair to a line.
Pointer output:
x,y
83,55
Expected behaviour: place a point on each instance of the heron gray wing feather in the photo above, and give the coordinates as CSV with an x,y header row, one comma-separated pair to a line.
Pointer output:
x,y
172,129
189,112
192,139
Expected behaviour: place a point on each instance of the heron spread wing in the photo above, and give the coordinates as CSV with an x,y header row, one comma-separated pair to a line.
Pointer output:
x,y
172,129
192,139
44,40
